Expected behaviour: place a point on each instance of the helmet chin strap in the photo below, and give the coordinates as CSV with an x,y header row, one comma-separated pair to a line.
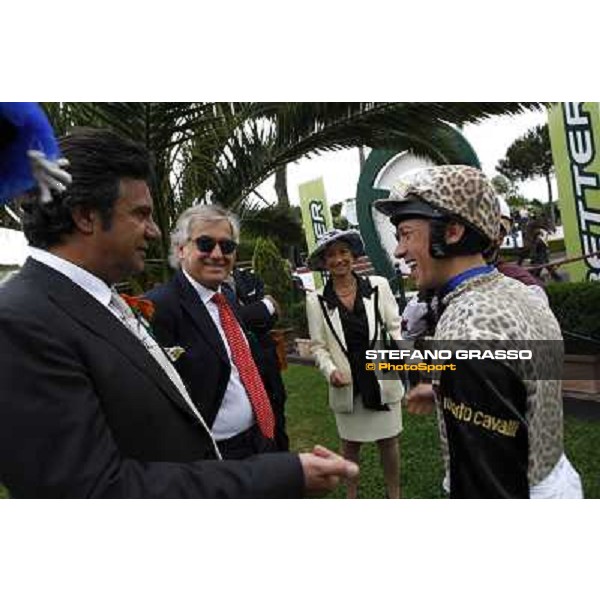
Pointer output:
x,y
438,248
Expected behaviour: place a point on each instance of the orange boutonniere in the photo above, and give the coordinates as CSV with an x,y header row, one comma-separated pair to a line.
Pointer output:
x,y
140,306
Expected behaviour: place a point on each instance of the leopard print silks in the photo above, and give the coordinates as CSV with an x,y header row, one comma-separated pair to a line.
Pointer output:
x,y
495,307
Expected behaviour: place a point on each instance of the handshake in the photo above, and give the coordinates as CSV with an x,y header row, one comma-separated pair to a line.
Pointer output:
x,y
324,470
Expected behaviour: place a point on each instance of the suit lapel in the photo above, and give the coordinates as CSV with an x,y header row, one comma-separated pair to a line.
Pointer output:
x,y
369,303
370,296
198,313
88,312
336,321
331,314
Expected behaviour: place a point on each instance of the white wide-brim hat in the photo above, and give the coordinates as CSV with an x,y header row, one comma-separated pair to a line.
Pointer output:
x,y
350,236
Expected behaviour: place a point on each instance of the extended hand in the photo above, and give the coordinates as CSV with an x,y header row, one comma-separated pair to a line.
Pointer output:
x,y
338,379
324,469
421,399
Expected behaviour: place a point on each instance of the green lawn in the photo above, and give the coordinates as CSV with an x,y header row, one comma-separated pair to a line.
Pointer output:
x,y
311,422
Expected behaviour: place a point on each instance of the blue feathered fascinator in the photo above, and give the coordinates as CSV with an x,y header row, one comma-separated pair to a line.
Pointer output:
x,y
23,126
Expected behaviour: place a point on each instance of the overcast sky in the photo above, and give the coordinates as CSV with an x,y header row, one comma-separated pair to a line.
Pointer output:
x,y
340,170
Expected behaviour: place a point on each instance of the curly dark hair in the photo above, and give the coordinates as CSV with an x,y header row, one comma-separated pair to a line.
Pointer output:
x,y
98,160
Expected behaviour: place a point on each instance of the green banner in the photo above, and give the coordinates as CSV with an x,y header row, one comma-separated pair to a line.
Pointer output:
x,y
575,138
316,215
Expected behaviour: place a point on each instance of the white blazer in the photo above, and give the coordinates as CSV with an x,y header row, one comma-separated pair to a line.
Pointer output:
x,y
328,354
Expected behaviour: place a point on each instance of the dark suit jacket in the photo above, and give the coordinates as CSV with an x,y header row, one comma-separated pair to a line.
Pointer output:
x,y
85,411
181,319
256,318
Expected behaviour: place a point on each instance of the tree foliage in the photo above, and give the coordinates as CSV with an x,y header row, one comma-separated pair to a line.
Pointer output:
x,y
528,157
273,270
222,151
502,185
281,224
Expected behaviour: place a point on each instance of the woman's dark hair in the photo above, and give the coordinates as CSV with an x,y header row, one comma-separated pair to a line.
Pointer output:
x,y
98,161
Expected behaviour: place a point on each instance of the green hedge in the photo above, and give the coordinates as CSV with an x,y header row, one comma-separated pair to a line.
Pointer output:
x,y
273,270
295,317
577,308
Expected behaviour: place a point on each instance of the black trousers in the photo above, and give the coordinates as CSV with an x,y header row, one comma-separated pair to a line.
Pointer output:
x,y
245,444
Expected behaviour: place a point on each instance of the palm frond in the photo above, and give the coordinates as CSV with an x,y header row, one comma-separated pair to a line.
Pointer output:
x,y
230,148
300,130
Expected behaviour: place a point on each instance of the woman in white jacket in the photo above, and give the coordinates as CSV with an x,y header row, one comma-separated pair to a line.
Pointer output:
x,y
346,318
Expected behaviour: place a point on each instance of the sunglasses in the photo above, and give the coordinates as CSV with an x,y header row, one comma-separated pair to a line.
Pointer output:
x,y
207,244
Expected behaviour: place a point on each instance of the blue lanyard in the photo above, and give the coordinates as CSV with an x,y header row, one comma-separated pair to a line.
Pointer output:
x,y
453,283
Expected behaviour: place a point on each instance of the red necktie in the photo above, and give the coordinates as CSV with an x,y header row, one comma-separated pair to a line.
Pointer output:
x,y
243,360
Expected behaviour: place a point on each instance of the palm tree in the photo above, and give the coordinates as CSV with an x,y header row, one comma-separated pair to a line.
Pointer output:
x,y
169,130
225,150
280,133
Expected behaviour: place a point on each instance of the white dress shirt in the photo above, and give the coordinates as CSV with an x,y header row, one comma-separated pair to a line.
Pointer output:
x,y
84,279
235,414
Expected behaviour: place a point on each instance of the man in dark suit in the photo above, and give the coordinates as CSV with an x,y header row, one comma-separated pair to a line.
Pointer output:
x,y
203,245
247,289
89,404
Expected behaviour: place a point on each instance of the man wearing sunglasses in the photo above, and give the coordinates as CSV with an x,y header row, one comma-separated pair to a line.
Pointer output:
x,y
220,364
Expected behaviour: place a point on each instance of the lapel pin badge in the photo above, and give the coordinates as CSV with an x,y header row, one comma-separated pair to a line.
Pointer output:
x,y
174,353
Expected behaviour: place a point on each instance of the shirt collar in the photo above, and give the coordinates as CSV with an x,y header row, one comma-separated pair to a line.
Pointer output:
x,y
84,279
205,293
458,280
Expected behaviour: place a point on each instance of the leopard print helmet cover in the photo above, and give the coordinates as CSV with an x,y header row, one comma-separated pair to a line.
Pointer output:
x,y
456,190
